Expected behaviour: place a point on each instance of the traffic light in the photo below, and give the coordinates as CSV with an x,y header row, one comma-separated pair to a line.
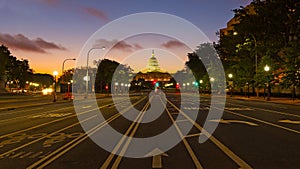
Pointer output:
x,y
196,83
177,86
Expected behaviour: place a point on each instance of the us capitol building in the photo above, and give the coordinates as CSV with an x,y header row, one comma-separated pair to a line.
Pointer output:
x,y
153,73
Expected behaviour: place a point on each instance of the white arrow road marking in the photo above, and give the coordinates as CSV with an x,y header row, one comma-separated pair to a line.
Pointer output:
x,y
156,160
234,121
289,121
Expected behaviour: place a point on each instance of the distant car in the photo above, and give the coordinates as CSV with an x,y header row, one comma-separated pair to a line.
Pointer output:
x,y
47,91
68,96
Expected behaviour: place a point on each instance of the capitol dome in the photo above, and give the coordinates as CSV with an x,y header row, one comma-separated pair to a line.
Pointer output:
x,y
153,65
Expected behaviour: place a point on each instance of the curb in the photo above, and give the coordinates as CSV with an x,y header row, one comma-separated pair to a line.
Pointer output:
x,y
245,99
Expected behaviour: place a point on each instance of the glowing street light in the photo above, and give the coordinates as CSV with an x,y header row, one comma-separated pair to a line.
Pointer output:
x,y
267,68
230,75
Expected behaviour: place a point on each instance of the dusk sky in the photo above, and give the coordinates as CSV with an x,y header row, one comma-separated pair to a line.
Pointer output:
x,y
48,31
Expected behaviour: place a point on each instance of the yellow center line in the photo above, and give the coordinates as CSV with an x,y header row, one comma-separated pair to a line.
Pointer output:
x,y
21,117
3,114
185,142
67,147
127,143
117,147
57,120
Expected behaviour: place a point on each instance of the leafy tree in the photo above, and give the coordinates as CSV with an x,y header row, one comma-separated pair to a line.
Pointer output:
x,y
67,76
266,36
18,71
4,57
105,74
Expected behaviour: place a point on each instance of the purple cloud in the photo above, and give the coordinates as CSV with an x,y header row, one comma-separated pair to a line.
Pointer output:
x,y
96,13
50,2
122,45
173,44
21,42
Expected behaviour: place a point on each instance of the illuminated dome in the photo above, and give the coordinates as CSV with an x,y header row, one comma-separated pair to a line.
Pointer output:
x,y
153,65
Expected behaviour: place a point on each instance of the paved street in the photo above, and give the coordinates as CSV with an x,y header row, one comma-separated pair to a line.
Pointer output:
x,y
37,133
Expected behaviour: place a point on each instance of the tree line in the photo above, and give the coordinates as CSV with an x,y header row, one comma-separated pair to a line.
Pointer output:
x,y
17,73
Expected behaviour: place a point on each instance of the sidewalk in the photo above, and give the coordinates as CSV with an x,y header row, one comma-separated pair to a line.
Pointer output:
x,y
272,99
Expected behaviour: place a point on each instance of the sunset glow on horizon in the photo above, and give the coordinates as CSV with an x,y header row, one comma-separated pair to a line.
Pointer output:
x,y
48,32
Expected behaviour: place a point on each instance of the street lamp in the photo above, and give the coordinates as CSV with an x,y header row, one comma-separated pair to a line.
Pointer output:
x,y
200,84
267,68
230,83
87,70
55,73
63,68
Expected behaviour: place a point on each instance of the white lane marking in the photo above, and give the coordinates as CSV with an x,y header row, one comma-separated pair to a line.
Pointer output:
x,y
270,111
238,108
85,107
180,121
262,121
220,145
185,142
67,147
234,121
44,136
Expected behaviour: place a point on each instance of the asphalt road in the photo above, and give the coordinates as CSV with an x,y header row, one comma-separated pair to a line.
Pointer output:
x,y
37,133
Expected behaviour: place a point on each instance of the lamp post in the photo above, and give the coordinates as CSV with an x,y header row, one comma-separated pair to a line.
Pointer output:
x,y
267,68
248,92
230,83
116,88
87,70
68,94
63,68
55,73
